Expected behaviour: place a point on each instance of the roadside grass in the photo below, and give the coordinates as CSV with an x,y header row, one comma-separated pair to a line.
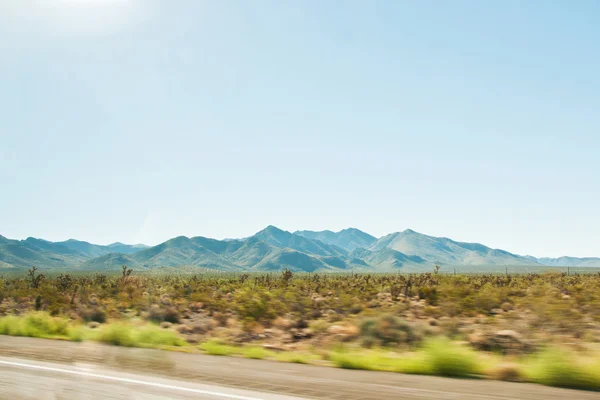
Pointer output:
x,y
563,368
296,357
146,336
42,325
216,348
441,357
37,324
437,357
257,353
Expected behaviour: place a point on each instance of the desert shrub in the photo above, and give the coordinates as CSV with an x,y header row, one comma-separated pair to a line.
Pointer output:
x,y
216,348
257,353
172,315
94,314
437,357
356,361
555,367
429,294
156,314
35,324
117,335
319,326
505,372
257,305
152,336
446,358
144,336
377,360
386,330
295,357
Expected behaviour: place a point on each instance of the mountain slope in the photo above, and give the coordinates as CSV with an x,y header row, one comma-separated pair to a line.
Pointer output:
x,y
110,262
70,254
283,239
181,251
387,259
447,251
348,239
568,261
38,252
96,250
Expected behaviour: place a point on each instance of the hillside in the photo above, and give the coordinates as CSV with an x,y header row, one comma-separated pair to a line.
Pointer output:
x,y
447,251
95,250
70,254
348,239
568,261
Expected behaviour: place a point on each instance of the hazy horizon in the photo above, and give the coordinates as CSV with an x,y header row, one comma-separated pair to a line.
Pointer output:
x,y
138,121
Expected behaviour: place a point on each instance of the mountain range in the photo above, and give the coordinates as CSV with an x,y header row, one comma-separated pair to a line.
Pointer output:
x,y
273,249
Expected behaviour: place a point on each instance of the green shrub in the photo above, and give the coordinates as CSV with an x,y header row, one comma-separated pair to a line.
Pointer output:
x,y
215,348
145,336
554,367
152,336
257,353
446,358
35,324
295,357
355,361
318,326
378,360
117,335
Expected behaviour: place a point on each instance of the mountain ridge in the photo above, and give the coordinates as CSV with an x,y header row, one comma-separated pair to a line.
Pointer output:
x,y
271,249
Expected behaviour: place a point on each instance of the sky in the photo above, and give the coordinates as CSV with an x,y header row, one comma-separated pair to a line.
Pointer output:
x,y
141,120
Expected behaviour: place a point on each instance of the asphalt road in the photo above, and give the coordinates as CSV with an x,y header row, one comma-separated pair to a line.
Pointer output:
x,y
44,369
24,379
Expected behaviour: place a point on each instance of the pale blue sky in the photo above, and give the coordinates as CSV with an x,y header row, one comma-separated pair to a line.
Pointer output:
x,y
137,121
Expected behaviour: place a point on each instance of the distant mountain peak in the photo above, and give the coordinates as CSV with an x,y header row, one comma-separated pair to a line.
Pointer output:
x,y
273,231
272,228
348,239
350,230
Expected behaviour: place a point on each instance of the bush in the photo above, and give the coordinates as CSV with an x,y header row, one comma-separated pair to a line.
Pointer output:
x,y
151,336
257,353
36,324
215,348
561,368
94,314
145,336
446,358
387,330
117,335
171,315
377,360
318,326
295,357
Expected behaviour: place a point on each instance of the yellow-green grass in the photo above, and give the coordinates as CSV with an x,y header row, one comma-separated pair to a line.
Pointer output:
x,y
437,357
216,348
563,368
40,325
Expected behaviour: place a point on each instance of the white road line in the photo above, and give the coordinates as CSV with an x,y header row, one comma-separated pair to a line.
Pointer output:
x,y
127,380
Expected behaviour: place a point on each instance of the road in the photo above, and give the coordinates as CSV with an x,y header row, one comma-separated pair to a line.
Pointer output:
x,y
43,369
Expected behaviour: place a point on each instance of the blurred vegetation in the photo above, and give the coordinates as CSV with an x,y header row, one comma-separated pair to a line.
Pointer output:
x,y
409,323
